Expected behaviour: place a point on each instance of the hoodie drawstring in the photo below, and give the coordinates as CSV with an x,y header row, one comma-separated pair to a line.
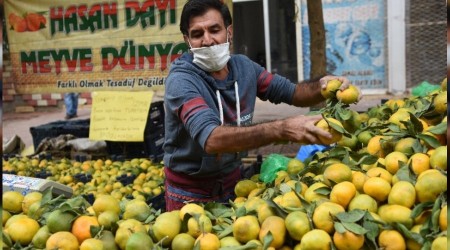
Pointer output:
x,y
238,105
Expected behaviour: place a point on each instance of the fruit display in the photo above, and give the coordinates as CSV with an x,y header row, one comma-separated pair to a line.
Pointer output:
x,y
137,178
382,184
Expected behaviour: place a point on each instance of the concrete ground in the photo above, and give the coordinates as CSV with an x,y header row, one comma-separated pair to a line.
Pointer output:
x,y
20,123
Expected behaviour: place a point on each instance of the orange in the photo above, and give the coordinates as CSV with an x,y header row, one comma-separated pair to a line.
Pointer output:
x,y
425,125
402,114
374,146
23,230
244,187
443,218
392,161
20,25
391,239
330,90
350,142
290,200
316,239
191,208
358,179
439,243
411,244
430,184
81,227
378,188
12,18
402,193
395,104
41,237
322,216
13,219
5,216
183,241
58,221
335,135
297,224
311,195
275,225
349,95
337,173
107,219
29,199
363,202
229,241
252,204
246,228
62,240
194,225
106,202
438,159
348,240
380,172
342,193
364,137
91,244
137,209
126,229
139,241
167,225
33,21
440,102
405,145
208,241
264,211
419,162
12,201
294,166
396,213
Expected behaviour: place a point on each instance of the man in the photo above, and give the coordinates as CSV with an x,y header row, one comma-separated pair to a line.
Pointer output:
x,y
209,101
71,103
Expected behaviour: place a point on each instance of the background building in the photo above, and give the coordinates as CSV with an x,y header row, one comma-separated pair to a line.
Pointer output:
x,y
400,43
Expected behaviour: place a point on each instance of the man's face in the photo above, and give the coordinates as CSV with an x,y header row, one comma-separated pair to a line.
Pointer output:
x,y
207,30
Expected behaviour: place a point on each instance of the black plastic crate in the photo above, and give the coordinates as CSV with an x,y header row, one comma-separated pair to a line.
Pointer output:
x,y
158,202
77,128
155,118
152,145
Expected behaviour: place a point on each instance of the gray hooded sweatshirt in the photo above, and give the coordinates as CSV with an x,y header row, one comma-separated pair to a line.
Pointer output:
x,y
196,103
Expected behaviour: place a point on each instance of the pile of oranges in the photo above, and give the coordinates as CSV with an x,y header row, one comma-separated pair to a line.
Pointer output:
x,y
381,185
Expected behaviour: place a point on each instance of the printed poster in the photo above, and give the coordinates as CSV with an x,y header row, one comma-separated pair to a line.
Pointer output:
x,y
92,45
355,41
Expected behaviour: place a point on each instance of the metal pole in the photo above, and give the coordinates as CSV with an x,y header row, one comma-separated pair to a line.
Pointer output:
x,y
267,35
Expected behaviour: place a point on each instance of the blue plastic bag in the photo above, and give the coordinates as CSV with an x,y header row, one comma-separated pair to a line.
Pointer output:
x,y
309,150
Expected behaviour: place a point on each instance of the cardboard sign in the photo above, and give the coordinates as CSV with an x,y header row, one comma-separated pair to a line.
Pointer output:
x,y
119,116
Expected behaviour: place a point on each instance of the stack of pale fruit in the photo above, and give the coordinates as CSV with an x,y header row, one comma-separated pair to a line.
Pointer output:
x,y
381,185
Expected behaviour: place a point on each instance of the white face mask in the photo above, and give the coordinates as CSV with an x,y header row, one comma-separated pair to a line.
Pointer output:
x,y
212,58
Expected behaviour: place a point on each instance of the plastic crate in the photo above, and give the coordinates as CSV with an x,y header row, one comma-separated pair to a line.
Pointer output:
x,y
155,118
158,202
151,147
77,128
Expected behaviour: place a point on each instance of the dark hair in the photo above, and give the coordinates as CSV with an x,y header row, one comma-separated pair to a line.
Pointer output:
x,y
194,8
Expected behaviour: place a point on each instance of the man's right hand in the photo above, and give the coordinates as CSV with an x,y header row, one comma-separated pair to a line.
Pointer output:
x,y
302,129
